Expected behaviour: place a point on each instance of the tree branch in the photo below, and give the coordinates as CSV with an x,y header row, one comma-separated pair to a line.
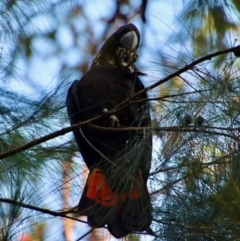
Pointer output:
x,y
122,105
38,209
172,129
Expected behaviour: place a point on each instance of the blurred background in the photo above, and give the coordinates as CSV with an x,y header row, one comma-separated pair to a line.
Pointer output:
x,y
195,178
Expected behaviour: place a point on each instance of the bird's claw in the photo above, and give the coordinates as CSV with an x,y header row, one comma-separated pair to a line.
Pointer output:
x,y
113,120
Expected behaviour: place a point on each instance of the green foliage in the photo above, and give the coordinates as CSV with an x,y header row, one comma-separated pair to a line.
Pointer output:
x,y
195,176
198,175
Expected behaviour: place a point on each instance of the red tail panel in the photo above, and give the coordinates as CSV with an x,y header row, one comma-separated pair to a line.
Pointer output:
x,y
123,212
99,190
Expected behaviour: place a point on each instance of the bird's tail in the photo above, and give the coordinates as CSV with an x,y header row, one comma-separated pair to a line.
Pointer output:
x,y
122,211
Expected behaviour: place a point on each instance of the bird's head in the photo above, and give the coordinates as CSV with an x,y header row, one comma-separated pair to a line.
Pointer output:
x,y
120,50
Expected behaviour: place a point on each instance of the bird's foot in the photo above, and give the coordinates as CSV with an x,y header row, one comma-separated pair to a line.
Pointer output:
x,y
112,119
114,122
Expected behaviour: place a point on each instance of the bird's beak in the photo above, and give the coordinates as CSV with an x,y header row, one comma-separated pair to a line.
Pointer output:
x,y
130,40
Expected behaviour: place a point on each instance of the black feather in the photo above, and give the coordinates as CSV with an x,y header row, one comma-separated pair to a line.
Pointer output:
x,y
122,157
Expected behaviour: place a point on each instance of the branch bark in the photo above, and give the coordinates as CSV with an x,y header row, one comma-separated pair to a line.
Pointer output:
x,y
42,210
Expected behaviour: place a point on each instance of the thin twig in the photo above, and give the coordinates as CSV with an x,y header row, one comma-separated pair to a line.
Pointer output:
x,y
94,148
218,161
168,185
84,235
171,96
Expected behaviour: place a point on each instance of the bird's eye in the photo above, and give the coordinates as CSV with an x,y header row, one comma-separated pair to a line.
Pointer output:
x,y
130,40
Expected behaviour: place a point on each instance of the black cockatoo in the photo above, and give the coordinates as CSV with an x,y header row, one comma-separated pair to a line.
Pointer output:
x,y
116,192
